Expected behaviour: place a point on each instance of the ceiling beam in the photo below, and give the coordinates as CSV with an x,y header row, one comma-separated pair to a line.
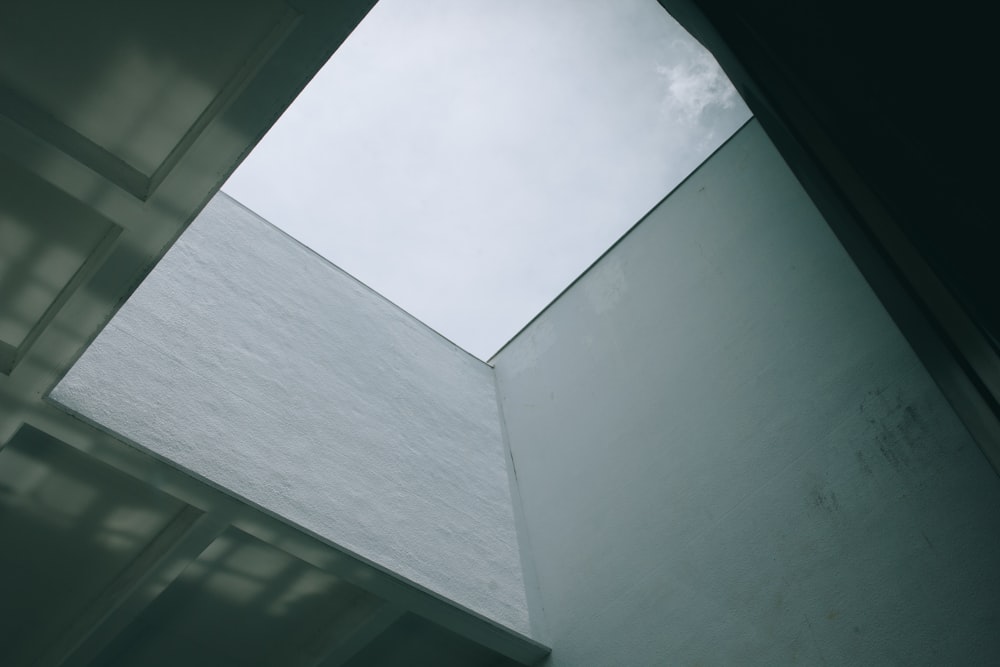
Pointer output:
x,y
138,585
342,647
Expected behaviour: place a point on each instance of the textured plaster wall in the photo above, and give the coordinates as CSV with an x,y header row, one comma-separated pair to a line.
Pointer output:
x,y
252,362
728,455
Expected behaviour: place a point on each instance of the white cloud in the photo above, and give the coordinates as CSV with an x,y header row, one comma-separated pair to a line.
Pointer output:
x,y
695,84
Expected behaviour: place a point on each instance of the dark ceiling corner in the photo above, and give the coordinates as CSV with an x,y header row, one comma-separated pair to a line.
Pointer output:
x,y
883,112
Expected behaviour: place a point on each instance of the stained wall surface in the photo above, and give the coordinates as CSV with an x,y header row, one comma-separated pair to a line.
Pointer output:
x,y
251,362
727,454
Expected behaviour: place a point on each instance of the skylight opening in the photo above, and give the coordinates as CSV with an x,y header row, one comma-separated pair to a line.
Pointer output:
x,y
469,159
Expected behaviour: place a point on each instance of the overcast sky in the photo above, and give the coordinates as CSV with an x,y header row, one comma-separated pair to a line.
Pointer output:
x,y
469,158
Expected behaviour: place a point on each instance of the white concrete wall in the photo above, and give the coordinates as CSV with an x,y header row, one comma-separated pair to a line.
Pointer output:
x,y
728,455
250,361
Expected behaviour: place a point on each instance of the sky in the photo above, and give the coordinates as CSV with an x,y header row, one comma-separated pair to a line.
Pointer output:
x,y
468,159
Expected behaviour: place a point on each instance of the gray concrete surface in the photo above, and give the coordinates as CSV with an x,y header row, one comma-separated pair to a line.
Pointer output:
x,y
728,455
255,364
